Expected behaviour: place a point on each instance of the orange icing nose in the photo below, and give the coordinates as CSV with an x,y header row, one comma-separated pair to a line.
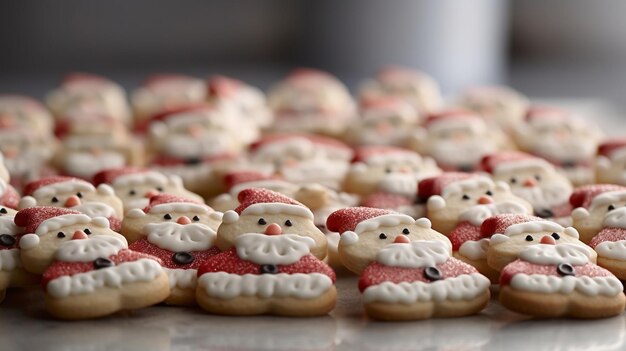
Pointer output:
x,y
548,240
79,234
530,182
183,220
273,229
72,201
401,239
485,200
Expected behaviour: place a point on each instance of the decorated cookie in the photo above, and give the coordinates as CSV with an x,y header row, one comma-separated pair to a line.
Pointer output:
x,y
365,231
76,194
8,195
413,280
512,233
453,198
532,179
417,88
97,276
135,186
383,121
181,233
610,164
47,228
560,281
165,91
311,101
18,111
457,140
269,273
303,158
592,205
566,141
261,208
610,243
498,105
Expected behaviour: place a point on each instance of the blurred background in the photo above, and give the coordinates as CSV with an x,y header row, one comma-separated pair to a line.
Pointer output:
x,y
544,48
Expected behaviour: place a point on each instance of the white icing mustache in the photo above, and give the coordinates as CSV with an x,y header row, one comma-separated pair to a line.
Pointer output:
x,y
570,149
548,194
615,218
176,237
416,254
273,249
85,164
85,250
95,209
469,151
575,254
477,214
400,183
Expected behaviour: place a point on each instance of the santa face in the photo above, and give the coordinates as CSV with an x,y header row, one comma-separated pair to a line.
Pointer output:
x,y
168,93
544,189
499,105
89,249
567,142
25,154
86,164
135,190
600,215
23,112
232,228
94,202
459,146
359,253
317,170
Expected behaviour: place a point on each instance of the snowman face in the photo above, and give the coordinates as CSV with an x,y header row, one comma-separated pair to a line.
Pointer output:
x,y
228,231
356,256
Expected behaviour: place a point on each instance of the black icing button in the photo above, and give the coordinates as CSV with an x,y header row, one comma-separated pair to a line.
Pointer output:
x,y
269,269
7,240
566,269
100,263
432,274
193,161
183,257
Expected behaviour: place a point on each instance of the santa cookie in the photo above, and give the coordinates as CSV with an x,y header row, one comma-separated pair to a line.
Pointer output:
x,y
414,87
47,228
592,205
12,273
610,243
135,186
498,105
611,162
452,198
267,273
260,208
365,231
566,141
181,233
19,111
413,280
560,281
533,179
311,101
94,277
512,233
75,194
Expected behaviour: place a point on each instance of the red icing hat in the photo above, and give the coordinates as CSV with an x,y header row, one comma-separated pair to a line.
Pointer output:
x,y
162,199
33,186
264,201
386,200
365,153
221,86
347,219
450,116
499,223
608,147
31,218
434,185
510,159
238,177
108,176
584,195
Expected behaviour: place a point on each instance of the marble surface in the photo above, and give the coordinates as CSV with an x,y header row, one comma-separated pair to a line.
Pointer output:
x,y
25,325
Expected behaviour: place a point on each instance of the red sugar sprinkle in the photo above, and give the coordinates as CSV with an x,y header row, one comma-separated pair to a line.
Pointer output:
x,y
347,219
253,196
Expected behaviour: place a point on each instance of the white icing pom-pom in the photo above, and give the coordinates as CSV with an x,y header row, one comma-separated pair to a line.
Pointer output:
x,y
571,231
105,189
424,223
135,213
435,203
348,238
100,222
230,217
502,186
580,213
498,239
29,241
26,202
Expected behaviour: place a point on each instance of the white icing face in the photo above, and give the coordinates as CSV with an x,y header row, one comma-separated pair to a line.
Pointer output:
x,y
87,250
556,254
86,164
273,249
169,92
542,188
416,254
499,105
177,237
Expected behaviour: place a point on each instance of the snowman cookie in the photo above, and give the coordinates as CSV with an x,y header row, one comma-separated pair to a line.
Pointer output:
x,y
47,228
75,194
610,243
611,162
181,233
498,105
512,233
135,186
365,231
560,281
93,277
412,280
593,204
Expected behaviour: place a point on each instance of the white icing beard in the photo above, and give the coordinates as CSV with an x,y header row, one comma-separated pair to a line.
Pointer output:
x,y
400,184
549,194
273,249
95,209
575,254
87,250
416,254
177,237
469,151
318,170
86,164
572,149
477,214
186,146
615,218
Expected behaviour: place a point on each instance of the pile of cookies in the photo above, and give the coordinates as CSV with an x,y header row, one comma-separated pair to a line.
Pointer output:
x,y
211,193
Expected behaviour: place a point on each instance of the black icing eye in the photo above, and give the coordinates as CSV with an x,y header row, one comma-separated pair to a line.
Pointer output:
x,y
611,208
55,200
556,236
489,192
87,231
60,235
406,231
513,180
3,210
382,236
167,216
262,221
195,218
132,192
288,223
538,177
529,238
465,197
388,170
79,195
159,189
